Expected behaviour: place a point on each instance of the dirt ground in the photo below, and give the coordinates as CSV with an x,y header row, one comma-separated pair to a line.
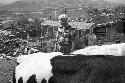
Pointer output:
x,y
6,70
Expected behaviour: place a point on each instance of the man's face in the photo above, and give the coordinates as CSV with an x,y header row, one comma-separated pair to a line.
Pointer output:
x,y
63,21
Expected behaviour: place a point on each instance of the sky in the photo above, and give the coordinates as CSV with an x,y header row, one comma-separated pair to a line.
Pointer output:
x,y
118,1
10,1
7,1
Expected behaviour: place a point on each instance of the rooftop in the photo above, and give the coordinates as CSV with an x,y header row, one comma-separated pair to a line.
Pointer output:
x,y
77,25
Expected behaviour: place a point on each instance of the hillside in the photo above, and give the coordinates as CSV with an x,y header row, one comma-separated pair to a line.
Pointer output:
x,y
1,5
30,5
16,6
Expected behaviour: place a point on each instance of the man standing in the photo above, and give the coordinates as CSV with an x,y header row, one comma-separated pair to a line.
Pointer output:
x,y
92,39
65,36
49,45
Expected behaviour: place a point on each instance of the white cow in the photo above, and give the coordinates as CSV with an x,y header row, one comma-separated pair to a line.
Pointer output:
x,y
113,49
35,64
85,51
23,58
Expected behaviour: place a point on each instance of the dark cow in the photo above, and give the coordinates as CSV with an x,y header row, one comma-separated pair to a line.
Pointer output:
x,y
88,69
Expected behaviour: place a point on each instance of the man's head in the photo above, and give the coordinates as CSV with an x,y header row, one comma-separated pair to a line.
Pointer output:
x,y
63,19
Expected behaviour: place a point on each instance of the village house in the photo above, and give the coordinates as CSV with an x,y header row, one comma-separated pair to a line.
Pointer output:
x,y
49,29
82,28
105,31
108,30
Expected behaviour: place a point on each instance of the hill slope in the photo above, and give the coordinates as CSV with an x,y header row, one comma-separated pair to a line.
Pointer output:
x,y
30,5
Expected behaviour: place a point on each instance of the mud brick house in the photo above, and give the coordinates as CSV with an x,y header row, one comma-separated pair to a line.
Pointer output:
x,y
106,31
82,28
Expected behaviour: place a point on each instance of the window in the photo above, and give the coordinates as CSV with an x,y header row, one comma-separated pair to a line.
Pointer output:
x,y
100,31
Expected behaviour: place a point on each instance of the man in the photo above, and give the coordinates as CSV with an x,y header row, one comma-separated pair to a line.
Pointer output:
x,y
65,36
49,45
92,39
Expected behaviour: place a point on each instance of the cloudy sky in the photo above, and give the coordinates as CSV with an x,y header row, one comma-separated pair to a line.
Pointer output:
x,y
7,1
10,1
118,1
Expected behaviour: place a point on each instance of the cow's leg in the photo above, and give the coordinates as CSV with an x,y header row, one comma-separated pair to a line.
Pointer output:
x,y
44,81
20,80
14,78
32,79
